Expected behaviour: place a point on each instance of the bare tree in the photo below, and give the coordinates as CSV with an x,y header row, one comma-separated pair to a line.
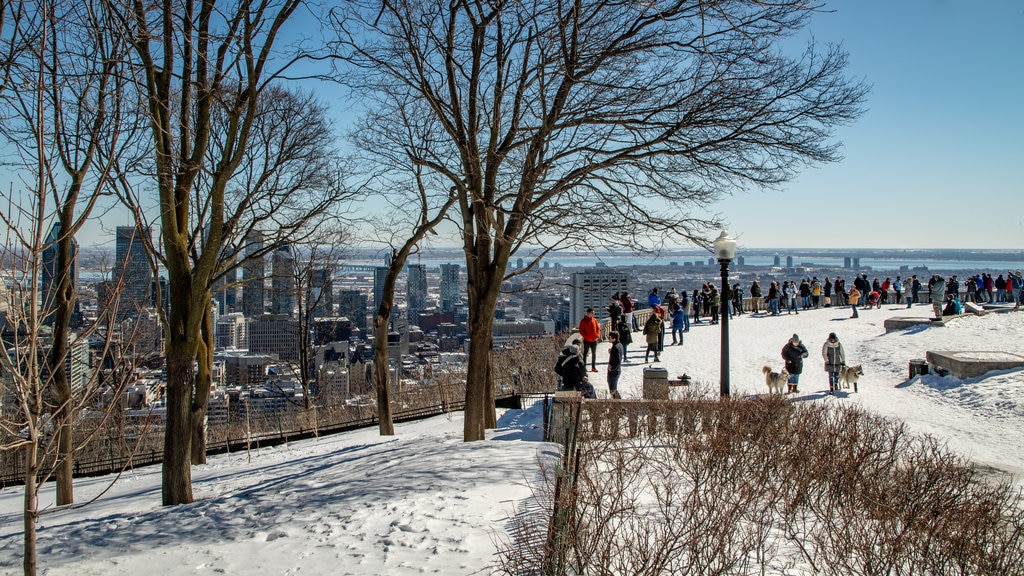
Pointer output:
x,y
316,261
69,130
206,70
558,122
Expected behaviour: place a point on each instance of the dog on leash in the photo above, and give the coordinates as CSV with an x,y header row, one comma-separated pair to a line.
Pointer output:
x,y
849,375
776,381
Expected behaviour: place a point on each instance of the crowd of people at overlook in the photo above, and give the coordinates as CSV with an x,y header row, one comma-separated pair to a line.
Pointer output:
x,y
678,310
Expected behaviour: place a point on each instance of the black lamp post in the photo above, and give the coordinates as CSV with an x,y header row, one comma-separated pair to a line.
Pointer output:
x,y
725,249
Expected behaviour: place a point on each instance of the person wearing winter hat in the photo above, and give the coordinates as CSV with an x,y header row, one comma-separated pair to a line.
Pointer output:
x,y
793,353
835,358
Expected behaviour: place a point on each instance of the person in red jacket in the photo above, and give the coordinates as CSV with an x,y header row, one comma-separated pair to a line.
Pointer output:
x,y
590,331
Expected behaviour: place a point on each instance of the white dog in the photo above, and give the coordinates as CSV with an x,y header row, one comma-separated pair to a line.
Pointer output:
x,y
849,375
776,381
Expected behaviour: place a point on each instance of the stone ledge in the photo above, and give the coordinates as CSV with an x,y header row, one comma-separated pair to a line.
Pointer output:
x,y
903,322
968,364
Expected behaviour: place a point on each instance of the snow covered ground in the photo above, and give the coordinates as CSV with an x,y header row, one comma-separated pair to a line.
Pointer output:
x,y
424,502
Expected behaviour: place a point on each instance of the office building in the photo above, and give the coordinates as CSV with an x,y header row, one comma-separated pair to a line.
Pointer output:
x,y
321,292
276,335
380,274
253,277
132,273
282,280
352,305
593,289
230,332
416,291
450,286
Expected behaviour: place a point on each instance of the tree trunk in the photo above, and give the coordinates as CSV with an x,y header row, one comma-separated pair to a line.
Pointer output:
x,y
31,512
490,413
63,306
382,375
204,384
478,378
65,470
177,470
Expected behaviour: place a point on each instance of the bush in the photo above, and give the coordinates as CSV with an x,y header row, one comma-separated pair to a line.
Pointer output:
x,y
765,486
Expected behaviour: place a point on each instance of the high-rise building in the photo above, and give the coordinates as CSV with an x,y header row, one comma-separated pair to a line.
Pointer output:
x,y
276,334
416,291
352,305
450,286
51,275
253,276
789,261
282,280
380,274
321,292
593,289
230,332
131,271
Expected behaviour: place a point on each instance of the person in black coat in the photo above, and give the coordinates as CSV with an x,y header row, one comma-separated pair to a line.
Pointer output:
x,y
793,353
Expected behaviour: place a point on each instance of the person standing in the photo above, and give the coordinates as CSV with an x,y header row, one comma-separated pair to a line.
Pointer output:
x,y
897,288
627,310
653,331
615,355
625,338
792,307
737,298
590,331
755,297
684,303
1015,281
835,359
854,298
614,310
909,288
793,354
1000,284
773,298
654,299
695,305
678,325
937,293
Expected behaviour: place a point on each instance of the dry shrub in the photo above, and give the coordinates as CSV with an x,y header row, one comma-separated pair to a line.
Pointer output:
x,y
765,486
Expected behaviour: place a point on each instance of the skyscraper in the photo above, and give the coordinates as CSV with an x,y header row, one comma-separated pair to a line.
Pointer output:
x,y
131,271
380,273
321,292
450,286
253,276
416,291
352,305
282,280
51,275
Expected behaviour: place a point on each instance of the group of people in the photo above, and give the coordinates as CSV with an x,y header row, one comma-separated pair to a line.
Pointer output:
x,y
794,352
674,310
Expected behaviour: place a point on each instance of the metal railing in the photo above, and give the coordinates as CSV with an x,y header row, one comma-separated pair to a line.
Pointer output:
x,y
122,448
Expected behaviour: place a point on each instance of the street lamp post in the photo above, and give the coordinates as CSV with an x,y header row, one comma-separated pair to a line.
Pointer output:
x,y
725,250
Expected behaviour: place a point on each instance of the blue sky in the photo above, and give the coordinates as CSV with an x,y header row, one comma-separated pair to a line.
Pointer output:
x,y
937,161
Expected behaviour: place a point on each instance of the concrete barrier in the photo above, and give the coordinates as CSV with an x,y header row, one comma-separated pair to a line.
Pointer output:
x,y
968,364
